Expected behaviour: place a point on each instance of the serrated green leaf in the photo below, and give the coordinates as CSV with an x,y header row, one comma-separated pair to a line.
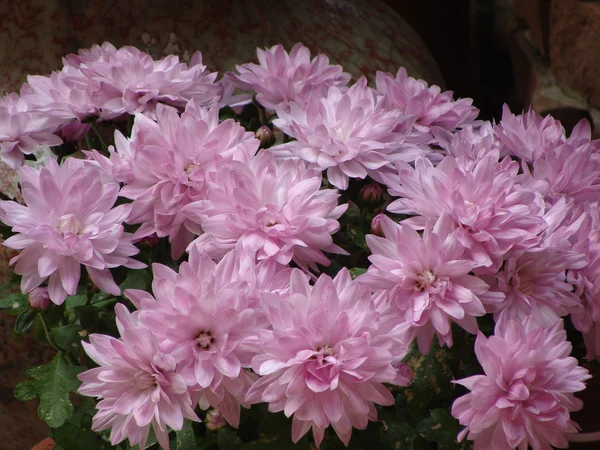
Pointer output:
x,y
51,383
440,427
24,321
357,271
70,436
398,434
136,279
15,303
185,439
65,336
228,438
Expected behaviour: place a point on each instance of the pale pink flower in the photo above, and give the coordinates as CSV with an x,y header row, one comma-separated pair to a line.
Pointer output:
x,y
344,133
39,298
70,220
535,285
526,394
327,357
491,213
281,77
427,105
469,144
207,317
528,136
273,207
23,130
428,281
130,81
167,163
137,384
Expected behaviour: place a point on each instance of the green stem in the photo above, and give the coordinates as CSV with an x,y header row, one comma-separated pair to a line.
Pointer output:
x,y
49,339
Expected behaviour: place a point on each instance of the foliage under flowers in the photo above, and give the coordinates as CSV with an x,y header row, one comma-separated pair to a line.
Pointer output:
x,y
233,298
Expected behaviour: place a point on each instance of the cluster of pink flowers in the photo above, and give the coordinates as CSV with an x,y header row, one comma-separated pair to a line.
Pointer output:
x,y
504,220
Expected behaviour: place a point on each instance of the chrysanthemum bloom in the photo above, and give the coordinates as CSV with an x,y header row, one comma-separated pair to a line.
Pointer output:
x,y
427,105
327,357
469,144
167,163
535,285
69,221
275,208
526,394
137,384
344,133
280,77
570,170
427,279
529,136
23,131
207,317
492,214
130,81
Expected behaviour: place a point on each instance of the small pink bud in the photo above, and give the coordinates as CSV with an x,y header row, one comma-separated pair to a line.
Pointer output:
x,y
376,226
266,137
370,193
404,375
150,241
39,298
214,420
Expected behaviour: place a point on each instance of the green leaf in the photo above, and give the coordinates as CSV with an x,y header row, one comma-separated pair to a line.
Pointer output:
x,y
65,336
137,279
357,236
185,437
228,438
51,383
70,436
87,316
398,434
15,303
24,321
73,301
357,271
440,427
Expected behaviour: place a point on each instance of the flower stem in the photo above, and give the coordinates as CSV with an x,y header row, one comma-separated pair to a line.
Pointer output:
x,y
49,339
584,437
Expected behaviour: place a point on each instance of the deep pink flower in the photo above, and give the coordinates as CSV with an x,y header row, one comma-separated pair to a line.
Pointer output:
x,y
526,394
130,81
280,77
326,358
274,207
167,163
23,130
491,213
137,384
427,279
70,220
344,133
427,105
207,317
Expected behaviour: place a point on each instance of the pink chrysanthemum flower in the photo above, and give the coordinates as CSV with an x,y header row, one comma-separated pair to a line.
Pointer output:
x,y
528,136
427,279
23,131
280,77
535,285
492,214
468,145
207,317
137,384
326,358
70,220
167,164
526,394
130,81
344,133
275,208
427,105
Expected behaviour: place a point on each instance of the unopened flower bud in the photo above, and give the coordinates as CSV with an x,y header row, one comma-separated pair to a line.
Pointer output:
x,y
376,228
404,375
266,137
39,298
370,193
214,420
150,241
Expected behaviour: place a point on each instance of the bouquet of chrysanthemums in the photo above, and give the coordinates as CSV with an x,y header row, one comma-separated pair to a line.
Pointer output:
x,y
285,256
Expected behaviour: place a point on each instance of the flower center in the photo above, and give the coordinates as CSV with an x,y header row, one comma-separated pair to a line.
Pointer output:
x,y
518,391
204,339
144,380
424,280
69,223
